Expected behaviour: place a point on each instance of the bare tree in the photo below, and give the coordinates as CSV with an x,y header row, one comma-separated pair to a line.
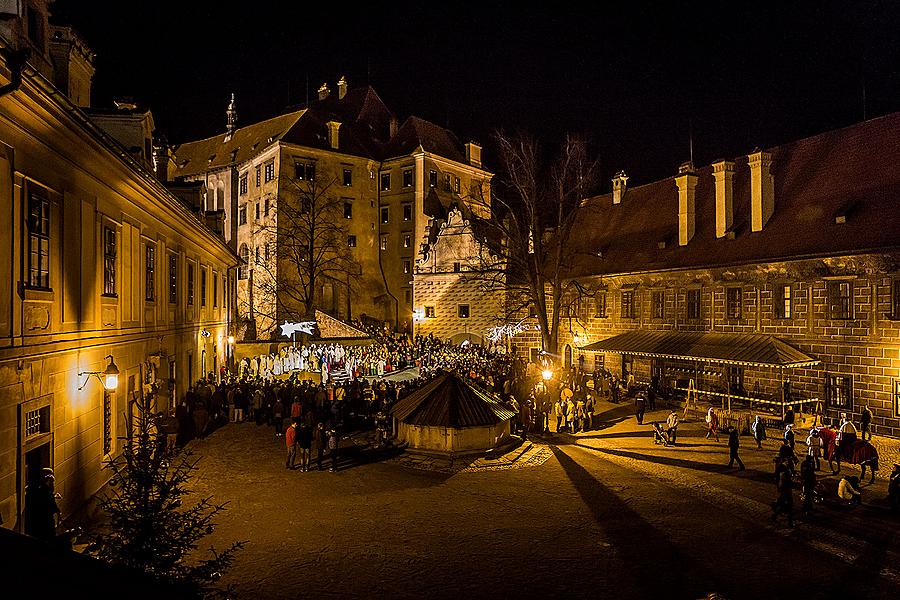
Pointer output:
x,y
302,248
532,210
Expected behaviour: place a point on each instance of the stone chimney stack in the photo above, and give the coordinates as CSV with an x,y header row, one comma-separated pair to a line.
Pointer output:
x,y
334,128
687,185
393,126
323,91
723,171
342,87
231,117
473,154
620,182
161,157
762,189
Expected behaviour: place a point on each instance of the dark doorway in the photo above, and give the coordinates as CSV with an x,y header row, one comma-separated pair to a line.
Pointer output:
x,y
36,460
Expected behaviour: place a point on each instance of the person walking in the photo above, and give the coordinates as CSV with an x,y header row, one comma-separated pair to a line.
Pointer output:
x,y
789,417
640,405
784,502
672,426
758,429
733,445
304,440
808,481
789,436
333,443
290,441
865,423
814,446
712,422
589,412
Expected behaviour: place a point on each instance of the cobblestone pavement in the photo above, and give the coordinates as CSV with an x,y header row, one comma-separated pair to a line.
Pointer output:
x,y
608,513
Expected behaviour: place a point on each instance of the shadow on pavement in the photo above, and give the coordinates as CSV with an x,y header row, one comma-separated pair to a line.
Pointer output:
x,y
630,535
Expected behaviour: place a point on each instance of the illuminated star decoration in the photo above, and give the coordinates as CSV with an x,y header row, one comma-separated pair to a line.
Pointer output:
x,y
511,330
289,329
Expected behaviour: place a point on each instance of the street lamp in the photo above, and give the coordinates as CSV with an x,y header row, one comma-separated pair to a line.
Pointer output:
x,y
547,374
109,376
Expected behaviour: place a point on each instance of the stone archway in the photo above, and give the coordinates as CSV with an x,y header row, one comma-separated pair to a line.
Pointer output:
x,y
458,338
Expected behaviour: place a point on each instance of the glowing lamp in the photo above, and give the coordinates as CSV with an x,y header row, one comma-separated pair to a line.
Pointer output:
x,y
547,374
109,376
231,339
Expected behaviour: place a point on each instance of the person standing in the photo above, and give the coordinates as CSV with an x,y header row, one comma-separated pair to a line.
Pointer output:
x,y
784,502
640,405
290,441
558,413
333,443
712,422
319,442
846,435
808,481
789,436
865,422
589,412
814,446
672,426
733,444
758,428
789,416
304,440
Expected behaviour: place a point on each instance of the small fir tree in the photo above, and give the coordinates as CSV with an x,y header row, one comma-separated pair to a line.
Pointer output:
x,y
149,527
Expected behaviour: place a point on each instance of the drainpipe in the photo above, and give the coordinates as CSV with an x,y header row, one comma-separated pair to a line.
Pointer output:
x,y
15,61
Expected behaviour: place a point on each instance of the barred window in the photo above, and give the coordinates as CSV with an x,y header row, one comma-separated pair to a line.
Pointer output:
x,y
38,241
110,249
839,391
258,175
693,304
429,312
840,299
173,279
37,421
150,272
628,304
659,304
734,298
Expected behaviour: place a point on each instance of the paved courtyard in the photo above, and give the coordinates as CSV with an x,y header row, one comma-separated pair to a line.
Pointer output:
x,y
606,513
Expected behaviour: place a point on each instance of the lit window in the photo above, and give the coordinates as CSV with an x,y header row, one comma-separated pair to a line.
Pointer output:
x,y
270,170
429,312
407,212
448,183
407,240
110,249
628,304
385,214
783,299
258,175
348,210
407,177
840,299
190,284
351,241
839,391
348,177
202,286
384,242
406,266
432,178
215,290
385,182
242,184
456,186
173,279
245,262
463,311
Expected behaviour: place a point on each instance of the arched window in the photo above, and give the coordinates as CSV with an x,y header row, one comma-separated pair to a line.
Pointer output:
x,y
244,253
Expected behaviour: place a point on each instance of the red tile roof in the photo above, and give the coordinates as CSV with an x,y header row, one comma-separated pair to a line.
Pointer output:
x,y
814,179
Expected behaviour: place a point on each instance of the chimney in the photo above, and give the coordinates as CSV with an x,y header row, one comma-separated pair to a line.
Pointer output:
x,y
393,126
323,91
161,157
687,184
723,171
231,118
73,64
762,189
473,154
619,181
334,128
342,87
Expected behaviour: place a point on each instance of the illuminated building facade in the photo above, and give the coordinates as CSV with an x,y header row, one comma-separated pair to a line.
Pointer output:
x,y
104,266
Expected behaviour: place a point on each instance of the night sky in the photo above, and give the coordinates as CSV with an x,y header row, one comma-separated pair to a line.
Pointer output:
x,y
639,80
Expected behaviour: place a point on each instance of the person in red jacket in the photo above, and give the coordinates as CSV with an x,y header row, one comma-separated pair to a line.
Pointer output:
x,y
290,440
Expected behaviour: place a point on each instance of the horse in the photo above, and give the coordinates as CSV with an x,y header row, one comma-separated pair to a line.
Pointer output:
x,y
860,453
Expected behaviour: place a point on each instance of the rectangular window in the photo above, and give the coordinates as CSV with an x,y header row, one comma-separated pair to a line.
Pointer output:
x,y
599,361
385,182
600,305
407,212
384,242
840,299
269,170
659,304
242,215
407,240
348,210
429,312
110,250
302,171
348,177
173,278
448,183
407,177
150,271
463,311
38,241
190,284
406,266
734,298
266,207
693,304
839,391
215,290
385,215
457,267
257,211
351,241
628,304
37,421
456,187
783,299
258,175
202,286
432,178
895,299
242,184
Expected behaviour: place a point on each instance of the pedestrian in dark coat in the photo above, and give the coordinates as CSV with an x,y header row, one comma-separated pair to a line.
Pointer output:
x,y
808,481
784,502
640,405
758,428
733,444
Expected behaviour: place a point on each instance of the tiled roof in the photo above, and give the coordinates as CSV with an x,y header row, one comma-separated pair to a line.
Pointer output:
x,y
448,401
433,138
853,170
729,348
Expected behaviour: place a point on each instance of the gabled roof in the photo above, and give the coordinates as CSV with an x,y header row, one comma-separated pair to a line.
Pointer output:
x,y
851,170
448,401
432,138
727,348
201,156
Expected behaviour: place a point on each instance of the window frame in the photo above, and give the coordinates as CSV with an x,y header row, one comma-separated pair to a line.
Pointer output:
x,y
383,242
242,215
202,286
600,306
459,311
258,175
693,301
432,178
150,272
110,261
658,304
173,278
40,240
407,180
846,307
895,397
190,283
430,312
348,209
407,239
783,305
269,170
734,299
830,387
351,241
407,211
385,215
627,308
243,184
385,182
215,290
